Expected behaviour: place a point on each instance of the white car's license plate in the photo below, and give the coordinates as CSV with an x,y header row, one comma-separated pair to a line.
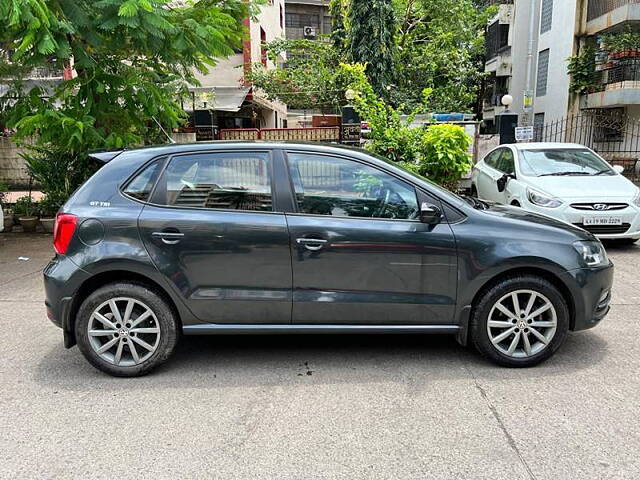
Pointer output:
x,y
602,221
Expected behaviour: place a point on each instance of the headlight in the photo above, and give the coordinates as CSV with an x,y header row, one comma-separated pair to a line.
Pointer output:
x,y
636,199
542,200
593,253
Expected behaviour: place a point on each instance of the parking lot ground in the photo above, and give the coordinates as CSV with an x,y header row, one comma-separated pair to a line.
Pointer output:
x,y
311,407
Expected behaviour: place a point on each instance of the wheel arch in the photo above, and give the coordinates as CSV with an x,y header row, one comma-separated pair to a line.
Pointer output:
x,y
101,279
551,277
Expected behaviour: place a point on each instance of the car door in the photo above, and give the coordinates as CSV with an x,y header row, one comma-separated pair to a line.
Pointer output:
x,y
213,232
360,254
488,175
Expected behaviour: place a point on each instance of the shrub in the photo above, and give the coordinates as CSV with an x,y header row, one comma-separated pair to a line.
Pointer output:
x,y
582,69
439,151
48,206
57,172
445,156
25,207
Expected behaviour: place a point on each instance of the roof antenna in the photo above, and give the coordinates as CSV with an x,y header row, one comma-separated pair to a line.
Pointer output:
x,y
171,140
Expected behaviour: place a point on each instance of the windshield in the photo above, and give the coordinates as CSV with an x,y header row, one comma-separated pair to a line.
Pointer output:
x,y
562,162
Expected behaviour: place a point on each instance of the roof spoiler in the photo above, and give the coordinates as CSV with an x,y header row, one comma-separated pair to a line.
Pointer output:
x,y
105,156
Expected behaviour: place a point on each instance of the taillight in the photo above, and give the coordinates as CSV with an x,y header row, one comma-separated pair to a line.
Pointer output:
x,y
63,231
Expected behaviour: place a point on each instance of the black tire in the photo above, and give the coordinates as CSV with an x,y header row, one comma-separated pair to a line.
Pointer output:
x,y
486,302
167,322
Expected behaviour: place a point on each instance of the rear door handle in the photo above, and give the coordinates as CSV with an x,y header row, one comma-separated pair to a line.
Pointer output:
x,y
169,238
313,244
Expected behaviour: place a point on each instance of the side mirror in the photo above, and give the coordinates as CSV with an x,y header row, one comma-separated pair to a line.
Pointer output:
x,y
503,180
430,214
618,168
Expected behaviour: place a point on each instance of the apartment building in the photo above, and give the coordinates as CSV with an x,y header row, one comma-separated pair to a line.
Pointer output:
x,y
561,29
308,19
225,99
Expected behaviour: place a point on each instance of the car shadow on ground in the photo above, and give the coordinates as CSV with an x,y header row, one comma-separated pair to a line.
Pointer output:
x,y
246,361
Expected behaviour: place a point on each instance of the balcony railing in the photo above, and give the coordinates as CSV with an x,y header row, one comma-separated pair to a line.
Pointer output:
x,y
493,99
624,71
598,8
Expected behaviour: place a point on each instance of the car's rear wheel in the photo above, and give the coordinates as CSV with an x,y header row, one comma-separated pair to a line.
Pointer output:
x,y
520,321
126,329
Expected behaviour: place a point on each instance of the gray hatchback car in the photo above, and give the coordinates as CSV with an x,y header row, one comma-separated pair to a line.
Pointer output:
x,y
263,238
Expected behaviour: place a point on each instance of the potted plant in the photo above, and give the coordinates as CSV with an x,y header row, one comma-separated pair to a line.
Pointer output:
x,y
25,209
8,214
622,45
48,208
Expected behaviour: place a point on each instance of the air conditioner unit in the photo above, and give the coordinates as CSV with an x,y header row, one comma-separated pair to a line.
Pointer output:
x,y
309,32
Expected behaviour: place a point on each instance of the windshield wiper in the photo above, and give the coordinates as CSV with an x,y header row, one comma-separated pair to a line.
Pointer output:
x,y
563,174
602,172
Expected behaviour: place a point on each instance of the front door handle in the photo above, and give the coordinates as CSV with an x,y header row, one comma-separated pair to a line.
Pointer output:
x,y
313,244
169,238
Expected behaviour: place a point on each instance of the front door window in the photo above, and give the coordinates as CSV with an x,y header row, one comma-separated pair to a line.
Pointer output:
x,y
345,188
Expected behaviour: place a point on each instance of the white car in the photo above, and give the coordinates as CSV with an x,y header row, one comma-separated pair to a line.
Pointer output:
x,y
562,180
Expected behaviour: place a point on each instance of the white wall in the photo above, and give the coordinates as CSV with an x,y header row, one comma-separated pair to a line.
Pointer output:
x,y
560,41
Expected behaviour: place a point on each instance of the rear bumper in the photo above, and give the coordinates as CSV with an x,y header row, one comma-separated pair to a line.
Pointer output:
x,y
591,292
62,278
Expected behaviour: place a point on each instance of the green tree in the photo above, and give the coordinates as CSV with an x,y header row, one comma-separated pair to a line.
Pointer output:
x,y
338,28
370,40
133,58
440,45
310,80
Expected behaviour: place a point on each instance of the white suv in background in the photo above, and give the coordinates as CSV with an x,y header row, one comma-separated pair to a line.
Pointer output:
x,y
562,180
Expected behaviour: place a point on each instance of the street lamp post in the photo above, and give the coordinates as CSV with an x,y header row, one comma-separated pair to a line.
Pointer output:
x,y
507,122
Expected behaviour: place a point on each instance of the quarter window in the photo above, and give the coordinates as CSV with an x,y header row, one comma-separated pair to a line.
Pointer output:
x,y
338,187
140,186
226,180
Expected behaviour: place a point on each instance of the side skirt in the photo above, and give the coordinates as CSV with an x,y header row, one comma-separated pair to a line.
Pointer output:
x,y
283,329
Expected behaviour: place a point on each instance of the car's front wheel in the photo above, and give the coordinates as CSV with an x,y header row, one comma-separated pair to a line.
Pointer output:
x,y
126,329
520,321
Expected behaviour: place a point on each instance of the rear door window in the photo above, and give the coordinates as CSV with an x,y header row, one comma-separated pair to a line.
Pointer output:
x,y
493,157
506,164
220,180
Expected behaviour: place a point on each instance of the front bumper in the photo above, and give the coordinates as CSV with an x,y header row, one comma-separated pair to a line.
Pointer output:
x,y
630,217
591,293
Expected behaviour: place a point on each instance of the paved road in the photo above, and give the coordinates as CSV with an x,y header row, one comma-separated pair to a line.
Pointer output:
x,y
316,407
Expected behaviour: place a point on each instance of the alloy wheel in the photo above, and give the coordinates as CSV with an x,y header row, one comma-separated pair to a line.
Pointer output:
x,y
123,331
522,323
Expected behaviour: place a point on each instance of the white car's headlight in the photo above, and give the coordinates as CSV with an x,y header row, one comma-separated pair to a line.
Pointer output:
x,y
593,253
542,200
636,199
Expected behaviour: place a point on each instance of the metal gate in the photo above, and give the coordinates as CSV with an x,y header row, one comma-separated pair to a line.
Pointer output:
x,y
615,137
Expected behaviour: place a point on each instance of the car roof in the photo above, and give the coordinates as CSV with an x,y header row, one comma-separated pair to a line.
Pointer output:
x,y
221,144
545,146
